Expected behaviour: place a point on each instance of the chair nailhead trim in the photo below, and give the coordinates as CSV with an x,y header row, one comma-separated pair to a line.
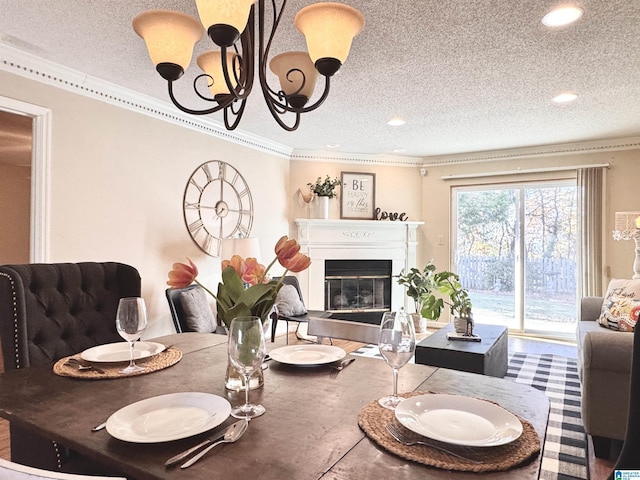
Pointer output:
x,y
15,318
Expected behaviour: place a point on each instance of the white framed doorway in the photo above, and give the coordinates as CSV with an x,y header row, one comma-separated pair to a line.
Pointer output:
x,y
40,175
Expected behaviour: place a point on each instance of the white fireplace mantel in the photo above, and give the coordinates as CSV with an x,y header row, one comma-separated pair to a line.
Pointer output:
x,y
354,240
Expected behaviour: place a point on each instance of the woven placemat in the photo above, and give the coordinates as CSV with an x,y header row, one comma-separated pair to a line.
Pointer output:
x,y
164,359
373,419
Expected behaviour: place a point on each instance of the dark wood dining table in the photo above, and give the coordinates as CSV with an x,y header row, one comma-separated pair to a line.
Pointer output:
x,y
309,431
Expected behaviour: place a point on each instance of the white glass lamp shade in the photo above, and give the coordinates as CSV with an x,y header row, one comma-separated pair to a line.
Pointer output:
x,y
170,36
295,62
210,62
224,12
329,29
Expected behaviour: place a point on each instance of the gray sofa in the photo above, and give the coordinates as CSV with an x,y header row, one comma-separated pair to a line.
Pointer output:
x,y
604,366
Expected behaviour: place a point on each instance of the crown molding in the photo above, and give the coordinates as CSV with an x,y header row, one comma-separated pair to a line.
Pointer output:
x,y
19,62
605,145
355,158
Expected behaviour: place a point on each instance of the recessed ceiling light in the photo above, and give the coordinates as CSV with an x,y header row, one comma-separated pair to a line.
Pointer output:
x,y
399,150
396,122
333,145
565,97
562,16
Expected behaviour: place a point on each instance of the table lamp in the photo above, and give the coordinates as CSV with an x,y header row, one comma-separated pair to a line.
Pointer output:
x,y
246,247
627,227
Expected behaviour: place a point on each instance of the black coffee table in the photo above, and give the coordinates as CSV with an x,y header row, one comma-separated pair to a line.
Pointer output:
x,y
487,357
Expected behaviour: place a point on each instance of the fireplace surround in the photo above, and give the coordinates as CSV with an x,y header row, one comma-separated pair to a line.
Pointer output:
x,y
367,244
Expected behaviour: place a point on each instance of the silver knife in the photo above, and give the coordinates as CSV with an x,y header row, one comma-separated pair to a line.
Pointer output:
x,y
213,438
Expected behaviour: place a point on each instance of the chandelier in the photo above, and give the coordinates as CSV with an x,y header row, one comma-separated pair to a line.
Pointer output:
x,y
170,36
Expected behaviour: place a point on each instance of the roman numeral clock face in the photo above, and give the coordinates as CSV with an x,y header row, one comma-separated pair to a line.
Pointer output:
x,y
217,204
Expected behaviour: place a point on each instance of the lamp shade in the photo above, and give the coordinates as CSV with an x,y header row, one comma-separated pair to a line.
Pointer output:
x,y
224,12
287,66
169,35
246,247
211,63
329,29
626,225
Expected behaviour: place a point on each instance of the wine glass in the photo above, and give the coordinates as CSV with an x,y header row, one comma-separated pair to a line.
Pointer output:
x,y
247,349
131,320
397,344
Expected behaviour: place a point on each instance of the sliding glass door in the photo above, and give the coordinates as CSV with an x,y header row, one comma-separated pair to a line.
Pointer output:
x,y
516,251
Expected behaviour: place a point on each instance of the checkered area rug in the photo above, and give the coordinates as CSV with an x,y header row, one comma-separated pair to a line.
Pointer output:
x,y
564,454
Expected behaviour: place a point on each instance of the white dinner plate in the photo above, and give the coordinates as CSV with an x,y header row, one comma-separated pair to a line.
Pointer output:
x,y
459,420
168,417
119,351
307,355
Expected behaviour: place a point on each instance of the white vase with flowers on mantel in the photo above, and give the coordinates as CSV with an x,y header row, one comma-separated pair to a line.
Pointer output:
x,y
324,190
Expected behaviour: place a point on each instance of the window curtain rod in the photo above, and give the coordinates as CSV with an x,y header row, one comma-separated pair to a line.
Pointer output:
x,y
524,170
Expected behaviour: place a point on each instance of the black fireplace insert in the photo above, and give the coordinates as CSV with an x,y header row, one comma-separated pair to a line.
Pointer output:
x,y
358,290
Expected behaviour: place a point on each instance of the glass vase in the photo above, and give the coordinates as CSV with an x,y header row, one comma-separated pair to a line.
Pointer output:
x,y
233,380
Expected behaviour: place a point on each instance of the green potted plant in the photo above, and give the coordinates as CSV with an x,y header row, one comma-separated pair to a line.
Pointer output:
x,y
419,284
324,190
455,296
326,187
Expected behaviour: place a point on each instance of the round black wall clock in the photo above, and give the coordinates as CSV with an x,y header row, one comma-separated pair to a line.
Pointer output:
x,y
217,204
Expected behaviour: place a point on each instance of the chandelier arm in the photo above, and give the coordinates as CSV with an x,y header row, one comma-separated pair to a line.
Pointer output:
x,y
207,111
273,109
237,115
210,82
320,101
264,49
243,82
285,106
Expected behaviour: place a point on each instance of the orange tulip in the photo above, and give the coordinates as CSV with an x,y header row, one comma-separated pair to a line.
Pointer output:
x,y
250,271
237,263
254,273
286,249
182,275
297,264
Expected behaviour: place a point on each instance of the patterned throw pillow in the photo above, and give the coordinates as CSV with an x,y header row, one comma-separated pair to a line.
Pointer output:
x,y
621,306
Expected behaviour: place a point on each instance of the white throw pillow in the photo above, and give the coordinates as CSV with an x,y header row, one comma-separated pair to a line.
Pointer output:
x,y
289,303
621,305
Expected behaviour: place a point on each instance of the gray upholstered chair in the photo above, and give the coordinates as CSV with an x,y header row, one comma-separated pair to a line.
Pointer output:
x,y
303,318
604,366
49,311
190,309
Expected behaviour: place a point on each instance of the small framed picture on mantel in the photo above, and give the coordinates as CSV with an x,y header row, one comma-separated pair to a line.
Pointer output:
x,y
358,198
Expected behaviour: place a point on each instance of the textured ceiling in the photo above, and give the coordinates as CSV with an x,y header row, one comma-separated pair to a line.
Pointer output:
x,y
468,76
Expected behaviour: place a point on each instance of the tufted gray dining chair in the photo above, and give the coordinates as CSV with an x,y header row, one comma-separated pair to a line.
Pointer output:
x,y
49,311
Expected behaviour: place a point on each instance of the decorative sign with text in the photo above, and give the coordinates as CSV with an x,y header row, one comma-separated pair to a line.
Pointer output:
x,y
358,197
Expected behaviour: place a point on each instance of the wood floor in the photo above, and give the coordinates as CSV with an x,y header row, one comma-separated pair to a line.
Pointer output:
x,y
599,468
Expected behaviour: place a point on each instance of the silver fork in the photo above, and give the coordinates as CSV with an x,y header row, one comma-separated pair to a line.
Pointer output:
x,y
409,441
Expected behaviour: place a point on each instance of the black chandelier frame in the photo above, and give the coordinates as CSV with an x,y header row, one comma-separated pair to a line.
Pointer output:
x,y
233,103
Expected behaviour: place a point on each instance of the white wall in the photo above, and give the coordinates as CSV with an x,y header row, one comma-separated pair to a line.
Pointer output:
x,y
117,180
